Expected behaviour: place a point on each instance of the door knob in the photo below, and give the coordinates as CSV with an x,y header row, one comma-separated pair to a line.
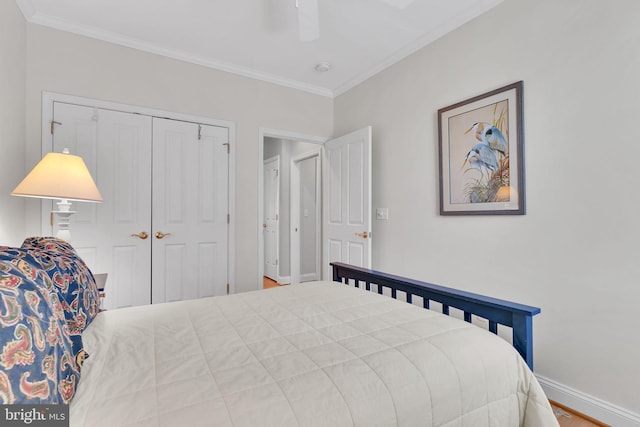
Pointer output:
x,y
160,234
142,235
364,234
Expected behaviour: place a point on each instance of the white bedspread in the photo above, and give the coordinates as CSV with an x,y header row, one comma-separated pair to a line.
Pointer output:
x,y
315,354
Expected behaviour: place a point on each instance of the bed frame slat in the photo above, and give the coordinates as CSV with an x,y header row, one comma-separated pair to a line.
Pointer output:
x,y
498,312
493,326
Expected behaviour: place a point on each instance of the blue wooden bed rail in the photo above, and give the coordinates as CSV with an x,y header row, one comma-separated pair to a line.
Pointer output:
x,y
498,312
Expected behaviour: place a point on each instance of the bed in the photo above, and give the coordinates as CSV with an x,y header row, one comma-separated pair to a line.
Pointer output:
x,y
314,354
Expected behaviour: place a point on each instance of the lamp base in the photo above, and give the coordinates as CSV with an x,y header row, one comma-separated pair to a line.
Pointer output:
x,y
64,216
64,235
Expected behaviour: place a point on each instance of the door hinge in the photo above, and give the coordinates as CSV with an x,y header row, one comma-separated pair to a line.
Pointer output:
x,y
199,132
228,147
227,289
276,262
277,216
53,125
228,218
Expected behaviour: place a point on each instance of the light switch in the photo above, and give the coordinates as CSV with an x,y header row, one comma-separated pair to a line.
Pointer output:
x,y
382,214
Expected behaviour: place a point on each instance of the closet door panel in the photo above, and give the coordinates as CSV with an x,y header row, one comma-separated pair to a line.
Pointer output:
x,y
116,147
213,178
124,166
190,199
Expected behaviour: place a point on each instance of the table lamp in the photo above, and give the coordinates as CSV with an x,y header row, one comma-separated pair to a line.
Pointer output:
x,y
63,177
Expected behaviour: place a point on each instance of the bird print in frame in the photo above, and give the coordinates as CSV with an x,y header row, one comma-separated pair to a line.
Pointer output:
x,y
481,144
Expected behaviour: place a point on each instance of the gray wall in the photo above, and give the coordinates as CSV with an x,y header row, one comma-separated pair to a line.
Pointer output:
x,y
575,252
13,42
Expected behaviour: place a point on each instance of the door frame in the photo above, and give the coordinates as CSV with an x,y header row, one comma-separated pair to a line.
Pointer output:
x,y
48,99
265,161
282,134
294,216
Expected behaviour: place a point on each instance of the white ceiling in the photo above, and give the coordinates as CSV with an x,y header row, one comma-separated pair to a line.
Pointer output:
x,y
259,38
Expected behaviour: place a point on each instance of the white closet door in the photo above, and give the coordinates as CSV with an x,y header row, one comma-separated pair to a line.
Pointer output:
x,y
116,148
347,200
190,207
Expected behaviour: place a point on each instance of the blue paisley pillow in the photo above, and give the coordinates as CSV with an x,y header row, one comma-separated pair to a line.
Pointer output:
x,y
37,363
73,280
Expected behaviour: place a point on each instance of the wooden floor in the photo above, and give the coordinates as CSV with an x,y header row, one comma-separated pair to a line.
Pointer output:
x,y
570,418
566,416
268,283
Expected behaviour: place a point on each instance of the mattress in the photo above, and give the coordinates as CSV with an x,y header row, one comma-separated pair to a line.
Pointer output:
x,y
314,354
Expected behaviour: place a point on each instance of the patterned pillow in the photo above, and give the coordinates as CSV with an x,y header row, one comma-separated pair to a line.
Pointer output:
x,y
36,358
73,280
52,244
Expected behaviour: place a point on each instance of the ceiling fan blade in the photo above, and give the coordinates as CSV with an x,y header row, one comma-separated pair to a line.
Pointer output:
x,y
308,24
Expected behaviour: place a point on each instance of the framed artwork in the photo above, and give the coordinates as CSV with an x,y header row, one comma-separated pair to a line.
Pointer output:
x,y
481,149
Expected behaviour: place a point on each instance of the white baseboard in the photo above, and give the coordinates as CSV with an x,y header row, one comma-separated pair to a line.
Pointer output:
x,y
284,280
592,406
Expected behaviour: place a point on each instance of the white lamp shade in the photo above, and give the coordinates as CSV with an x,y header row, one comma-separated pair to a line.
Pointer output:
x,y
59,176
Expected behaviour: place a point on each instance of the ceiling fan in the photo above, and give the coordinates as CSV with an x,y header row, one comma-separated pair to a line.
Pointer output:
x,y
308,21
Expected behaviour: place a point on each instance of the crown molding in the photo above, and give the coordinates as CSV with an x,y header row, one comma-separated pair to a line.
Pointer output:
x,y
33,17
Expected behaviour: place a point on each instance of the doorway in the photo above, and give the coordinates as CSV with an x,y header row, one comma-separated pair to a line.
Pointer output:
x,y
345,198
286,146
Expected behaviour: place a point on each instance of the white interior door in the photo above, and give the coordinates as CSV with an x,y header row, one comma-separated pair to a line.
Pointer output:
x,y
310,219
305,217
116,148
347,200
190,210
271,215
